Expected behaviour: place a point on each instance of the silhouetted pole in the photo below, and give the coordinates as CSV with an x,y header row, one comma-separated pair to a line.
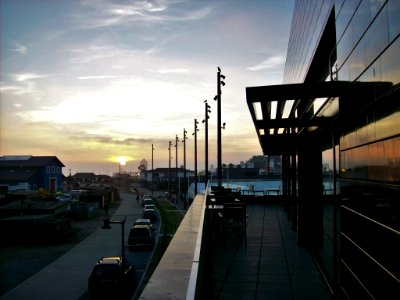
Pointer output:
x,y
219,125
184,160
152,169
205,121
176,166
195,156
169,169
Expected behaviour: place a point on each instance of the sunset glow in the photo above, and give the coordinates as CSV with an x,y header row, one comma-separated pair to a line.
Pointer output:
x,y
92,81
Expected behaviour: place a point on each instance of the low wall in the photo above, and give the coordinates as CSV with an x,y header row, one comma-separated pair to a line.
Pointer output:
x,y
176,274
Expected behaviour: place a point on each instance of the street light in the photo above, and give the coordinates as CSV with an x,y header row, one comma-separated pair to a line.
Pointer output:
x,y
176,167
106,225
219,127
205,121
169,169
152,169
195,156
184,160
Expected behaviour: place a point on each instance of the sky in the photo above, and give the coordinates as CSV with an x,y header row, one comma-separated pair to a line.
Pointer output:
x,y
91,81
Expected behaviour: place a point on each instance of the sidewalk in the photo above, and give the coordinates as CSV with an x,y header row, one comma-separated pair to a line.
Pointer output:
x,y
66,278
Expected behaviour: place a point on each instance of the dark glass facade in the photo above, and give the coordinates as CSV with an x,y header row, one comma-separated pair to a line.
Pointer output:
x,y
359,253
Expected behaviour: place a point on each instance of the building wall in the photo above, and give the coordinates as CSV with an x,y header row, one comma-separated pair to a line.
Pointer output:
x,y
308,23
362,237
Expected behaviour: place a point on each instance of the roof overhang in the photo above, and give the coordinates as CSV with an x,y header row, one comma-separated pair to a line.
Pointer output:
x,y
284,115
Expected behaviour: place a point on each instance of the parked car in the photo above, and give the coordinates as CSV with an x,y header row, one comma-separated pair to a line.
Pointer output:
x,y
141,236
147,202
150,214
111,276
149,206
146,222
64,197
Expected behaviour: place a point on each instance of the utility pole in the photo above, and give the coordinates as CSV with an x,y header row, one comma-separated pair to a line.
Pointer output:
x,y
169,169
152,169
195,156
219,126
205,121
176,168
184,162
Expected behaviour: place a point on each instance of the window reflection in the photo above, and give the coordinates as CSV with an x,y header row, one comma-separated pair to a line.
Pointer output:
x,y
376,37
393,19
391,63
376,161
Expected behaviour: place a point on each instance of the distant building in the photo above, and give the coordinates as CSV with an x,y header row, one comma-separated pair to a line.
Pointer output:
x,y
84,177
31,173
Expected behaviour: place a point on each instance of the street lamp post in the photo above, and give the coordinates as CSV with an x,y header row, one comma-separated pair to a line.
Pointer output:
x,y
205,121
169,169
219,126
152,169
176,168
106,225
195,156
184,161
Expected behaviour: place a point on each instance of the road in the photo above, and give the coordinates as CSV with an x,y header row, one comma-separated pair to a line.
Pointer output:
x,y
66,278
139,258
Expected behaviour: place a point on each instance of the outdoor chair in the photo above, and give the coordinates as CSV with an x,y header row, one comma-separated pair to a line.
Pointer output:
x,y
234,218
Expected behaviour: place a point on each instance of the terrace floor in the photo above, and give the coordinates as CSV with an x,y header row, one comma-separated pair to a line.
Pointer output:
x,y
272,266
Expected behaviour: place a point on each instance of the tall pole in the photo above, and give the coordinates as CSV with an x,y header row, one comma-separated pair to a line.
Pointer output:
x,y
219,125
184,161
195,156
152,169
205,121
169,169
176,167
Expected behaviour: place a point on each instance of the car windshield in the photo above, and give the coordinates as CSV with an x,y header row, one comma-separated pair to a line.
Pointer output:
x,y
106,272
139,232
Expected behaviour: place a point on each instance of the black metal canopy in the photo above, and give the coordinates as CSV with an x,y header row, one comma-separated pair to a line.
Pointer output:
x,y
285,117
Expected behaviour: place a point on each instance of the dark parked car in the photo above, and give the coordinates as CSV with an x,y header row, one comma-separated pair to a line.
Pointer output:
x,y
144,222
141,236
150,214
147,202
111,277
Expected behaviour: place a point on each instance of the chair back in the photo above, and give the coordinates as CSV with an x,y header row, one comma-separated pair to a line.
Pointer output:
x,y
234,210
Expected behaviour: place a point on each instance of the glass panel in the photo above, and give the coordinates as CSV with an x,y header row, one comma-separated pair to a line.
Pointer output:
x,y
393,18
356,62
362,133
396,160
388,126
376,38
375,6
343,72
391,63
361,20
373,73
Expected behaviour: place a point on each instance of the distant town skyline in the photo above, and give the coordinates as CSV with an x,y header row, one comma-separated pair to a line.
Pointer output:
x,y
89,81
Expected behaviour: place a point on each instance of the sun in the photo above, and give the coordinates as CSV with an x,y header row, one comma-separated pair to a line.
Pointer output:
x,y
122,160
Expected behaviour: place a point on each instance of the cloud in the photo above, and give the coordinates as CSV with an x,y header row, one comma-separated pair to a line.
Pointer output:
x,y
97,77
105,14
20,49
273,62
26,76
169,71
110,141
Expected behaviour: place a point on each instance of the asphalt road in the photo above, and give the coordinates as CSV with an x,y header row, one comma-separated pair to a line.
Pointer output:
x,y
66,277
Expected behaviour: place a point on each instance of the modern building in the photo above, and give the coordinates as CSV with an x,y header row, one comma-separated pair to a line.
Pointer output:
x,y
31,173
340,105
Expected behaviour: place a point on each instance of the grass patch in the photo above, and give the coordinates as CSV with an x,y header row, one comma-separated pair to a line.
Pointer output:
x,y
170,220
170,217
